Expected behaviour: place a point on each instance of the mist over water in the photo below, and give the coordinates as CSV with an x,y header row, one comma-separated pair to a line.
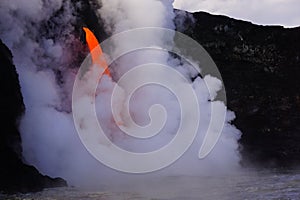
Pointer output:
x,y
40,35
249,185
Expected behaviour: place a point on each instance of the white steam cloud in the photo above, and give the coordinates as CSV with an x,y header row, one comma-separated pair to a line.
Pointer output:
x,y
50,141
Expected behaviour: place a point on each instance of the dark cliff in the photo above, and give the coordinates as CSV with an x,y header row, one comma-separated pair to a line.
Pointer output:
x,y
260,66
15,176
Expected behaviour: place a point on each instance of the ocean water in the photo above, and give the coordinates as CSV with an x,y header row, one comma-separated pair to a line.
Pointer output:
x,y
271,184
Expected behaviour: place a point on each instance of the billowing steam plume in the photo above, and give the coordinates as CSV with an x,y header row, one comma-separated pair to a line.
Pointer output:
x,y
46,53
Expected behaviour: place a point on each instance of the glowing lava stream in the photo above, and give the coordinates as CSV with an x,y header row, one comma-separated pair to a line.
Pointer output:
x,y
95,50
98,59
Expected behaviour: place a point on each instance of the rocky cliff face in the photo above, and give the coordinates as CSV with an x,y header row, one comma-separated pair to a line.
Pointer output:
x,y
260,66
15,176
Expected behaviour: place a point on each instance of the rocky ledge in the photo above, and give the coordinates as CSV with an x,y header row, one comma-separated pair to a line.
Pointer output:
x,y
15,176
260,66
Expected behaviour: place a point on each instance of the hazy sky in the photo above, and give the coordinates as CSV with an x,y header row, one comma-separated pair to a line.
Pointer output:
x,y
282,12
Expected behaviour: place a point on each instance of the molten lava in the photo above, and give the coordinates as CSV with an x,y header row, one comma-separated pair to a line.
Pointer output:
x,y
95,50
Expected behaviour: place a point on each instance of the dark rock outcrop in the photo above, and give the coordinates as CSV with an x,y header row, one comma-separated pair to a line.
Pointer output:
x,y
15,176
86,16
260,66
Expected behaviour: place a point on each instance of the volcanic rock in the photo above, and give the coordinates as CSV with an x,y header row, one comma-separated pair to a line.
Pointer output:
x,y
15,176
260,66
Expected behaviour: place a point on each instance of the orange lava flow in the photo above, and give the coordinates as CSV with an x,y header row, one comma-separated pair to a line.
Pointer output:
x,y
95,50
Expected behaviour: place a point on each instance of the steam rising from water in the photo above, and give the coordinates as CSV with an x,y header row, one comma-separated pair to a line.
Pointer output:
x,y
40,35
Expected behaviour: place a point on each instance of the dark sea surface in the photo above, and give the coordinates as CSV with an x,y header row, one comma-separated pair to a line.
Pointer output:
x,y
275,184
